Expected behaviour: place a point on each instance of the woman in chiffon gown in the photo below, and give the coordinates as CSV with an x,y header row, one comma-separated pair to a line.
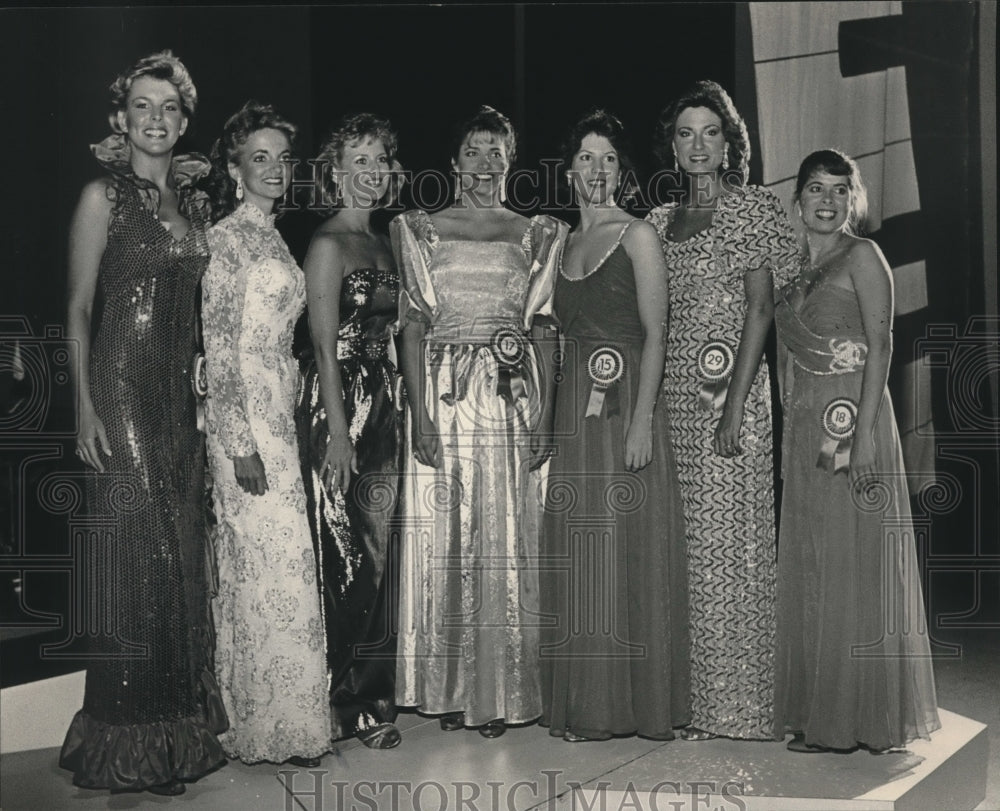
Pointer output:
x,y
615,661
350,429
727,246
270,659
475,276
151,709
853,658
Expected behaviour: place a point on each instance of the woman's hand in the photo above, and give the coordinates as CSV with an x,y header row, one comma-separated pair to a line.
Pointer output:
x,y
250,474
91,434
339,462
541,447
726,441
862,465
639,444
426,442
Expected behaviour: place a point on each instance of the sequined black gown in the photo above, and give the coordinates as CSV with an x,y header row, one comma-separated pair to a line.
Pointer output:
x,y
353,533
151,709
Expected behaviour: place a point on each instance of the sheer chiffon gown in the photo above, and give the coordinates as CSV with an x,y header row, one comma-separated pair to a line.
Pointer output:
x,y
853,659
614,566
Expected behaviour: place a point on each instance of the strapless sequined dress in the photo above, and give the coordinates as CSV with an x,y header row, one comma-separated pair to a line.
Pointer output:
x,y
354,534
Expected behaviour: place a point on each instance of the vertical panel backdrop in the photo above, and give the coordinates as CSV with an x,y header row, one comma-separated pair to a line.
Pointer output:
x,y
895,85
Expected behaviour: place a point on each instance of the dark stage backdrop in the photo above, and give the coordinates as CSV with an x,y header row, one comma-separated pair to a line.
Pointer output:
x,y
424,67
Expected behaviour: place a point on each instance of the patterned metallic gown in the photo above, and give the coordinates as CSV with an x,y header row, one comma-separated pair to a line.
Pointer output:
x,y
468,625
728,503
151,707
353,534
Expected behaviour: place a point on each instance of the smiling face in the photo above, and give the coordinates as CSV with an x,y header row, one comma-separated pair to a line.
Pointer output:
x,y
482,163
364,172
153,118
699,140
596,169
263,166
826,202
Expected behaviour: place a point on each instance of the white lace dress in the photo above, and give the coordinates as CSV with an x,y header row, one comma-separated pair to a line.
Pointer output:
x,y
270,658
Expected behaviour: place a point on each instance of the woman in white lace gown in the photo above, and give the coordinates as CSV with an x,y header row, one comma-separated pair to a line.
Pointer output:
x,y
270,658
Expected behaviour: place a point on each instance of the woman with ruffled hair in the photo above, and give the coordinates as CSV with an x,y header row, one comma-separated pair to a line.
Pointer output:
x,y
151,709
350,425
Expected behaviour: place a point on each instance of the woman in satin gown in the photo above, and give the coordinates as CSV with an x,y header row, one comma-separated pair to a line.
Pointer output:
x,y
727,246
270,659
151,710
853,659
475,276
613,508
350,428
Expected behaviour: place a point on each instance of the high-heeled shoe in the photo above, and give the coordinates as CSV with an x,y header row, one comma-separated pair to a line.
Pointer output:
x,y
696,734
172,789
798,744
493,729
304,762
382,736
452,721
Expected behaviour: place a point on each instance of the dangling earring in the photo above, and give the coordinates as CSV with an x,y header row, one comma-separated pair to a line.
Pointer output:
x,y
458,187
677,164
503,189
725,158
798,210
239,188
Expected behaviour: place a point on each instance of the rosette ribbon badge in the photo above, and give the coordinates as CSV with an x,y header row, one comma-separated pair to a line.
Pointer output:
x,y
838,421
715,364
605,367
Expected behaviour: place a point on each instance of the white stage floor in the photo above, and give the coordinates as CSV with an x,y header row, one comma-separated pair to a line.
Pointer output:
x,y
527,769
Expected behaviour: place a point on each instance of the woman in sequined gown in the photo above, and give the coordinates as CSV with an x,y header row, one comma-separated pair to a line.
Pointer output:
x,y
350,429
270,659
151,709
613,507
726,245
475,276
853,657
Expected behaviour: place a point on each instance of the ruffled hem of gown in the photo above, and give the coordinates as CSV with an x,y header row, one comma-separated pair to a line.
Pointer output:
x,y
137,756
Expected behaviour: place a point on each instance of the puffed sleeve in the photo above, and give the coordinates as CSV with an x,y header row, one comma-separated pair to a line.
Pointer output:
x,y
417,301
759,235
548,237
659,218
223,292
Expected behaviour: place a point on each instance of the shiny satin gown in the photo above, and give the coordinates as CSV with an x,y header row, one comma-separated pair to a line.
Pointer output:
x,y
355,536
853,659
468,625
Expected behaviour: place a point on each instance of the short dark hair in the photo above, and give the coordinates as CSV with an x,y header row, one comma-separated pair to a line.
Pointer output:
x,y
600,122
837,163
487,120
711,95
250,118
159,65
